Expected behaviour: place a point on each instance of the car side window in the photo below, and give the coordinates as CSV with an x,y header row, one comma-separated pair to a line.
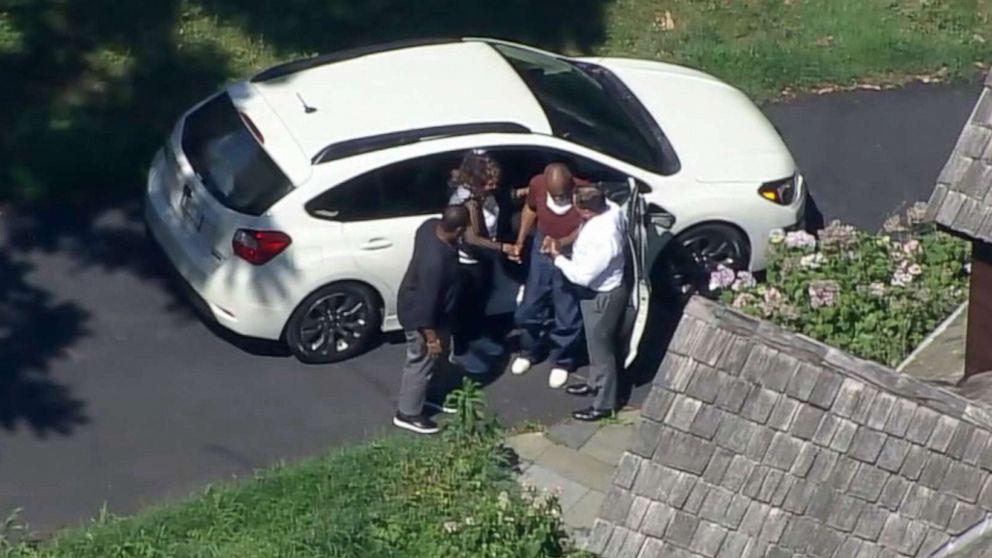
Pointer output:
x,y
405,189
520,164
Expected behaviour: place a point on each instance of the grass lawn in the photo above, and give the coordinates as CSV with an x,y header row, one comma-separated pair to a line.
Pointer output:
x,y
416,498
92,86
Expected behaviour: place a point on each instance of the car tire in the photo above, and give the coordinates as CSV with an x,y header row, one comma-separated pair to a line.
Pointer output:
x,y
685,266
334,323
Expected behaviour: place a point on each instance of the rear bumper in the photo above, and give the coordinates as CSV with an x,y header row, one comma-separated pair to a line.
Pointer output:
x,y
228,304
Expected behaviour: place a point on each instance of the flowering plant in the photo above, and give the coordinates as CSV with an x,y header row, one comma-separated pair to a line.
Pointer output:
x,y
873,295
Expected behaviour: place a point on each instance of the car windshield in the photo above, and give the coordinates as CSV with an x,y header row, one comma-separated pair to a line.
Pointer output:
x,y
580,108
229,161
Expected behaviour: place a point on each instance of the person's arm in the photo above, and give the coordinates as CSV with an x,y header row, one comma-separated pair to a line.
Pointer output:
x,y
527,220
472,236
586,264
568,240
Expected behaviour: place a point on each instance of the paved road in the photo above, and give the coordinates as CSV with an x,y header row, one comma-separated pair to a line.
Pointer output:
x,y
111,390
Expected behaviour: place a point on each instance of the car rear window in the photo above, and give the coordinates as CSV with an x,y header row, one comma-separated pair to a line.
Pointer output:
x,y
229,160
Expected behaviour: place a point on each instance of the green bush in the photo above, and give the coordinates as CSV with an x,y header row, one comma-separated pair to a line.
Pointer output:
x,y
876,296
452,495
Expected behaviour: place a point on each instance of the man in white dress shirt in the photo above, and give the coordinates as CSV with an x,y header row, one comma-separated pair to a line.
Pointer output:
x,y
597,266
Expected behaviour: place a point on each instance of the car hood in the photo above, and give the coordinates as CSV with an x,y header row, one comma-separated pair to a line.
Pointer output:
x,y
718,133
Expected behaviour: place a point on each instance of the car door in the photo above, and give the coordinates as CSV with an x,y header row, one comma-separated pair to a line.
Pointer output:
x,y
381,211
647,236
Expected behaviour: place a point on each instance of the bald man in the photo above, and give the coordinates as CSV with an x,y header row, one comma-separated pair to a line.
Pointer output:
x,y
547,296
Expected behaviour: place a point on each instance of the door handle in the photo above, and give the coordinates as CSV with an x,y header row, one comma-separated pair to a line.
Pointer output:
x,y
377,244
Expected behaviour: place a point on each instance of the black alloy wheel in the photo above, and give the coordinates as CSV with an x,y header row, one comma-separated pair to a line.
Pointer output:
x,y
699,251
334,323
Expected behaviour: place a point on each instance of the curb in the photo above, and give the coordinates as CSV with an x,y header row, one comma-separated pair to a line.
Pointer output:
x,y
932,337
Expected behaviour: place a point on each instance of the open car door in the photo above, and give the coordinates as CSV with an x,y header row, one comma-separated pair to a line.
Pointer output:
x,y
647,235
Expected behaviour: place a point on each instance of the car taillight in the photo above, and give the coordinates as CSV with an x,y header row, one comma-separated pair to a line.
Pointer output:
x,y
781,192
258,247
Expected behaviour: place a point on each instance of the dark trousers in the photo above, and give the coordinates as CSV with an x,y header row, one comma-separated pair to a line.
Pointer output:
x,y
549,299
476,344
601,316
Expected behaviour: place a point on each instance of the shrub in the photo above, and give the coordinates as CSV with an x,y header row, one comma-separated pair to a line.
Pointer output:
x,y
452,495
873,295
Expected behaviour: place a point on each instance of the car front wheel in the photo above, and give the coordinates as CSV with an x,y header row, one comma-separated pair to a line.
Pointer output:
x,y
697,252
334,323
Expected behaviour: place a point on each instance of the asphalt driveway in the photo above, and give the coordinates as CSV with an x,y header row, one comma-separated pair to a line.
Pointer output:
x,y
112,391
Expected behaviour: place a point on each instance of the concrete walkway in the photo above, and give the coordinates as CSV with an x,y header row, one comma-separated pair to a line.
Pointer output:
x,y
576,460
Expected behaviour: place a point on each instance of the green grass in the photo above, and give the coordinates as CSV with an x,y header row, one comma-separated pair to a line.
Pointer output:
x,y
767,46
452,495
390,498
92,86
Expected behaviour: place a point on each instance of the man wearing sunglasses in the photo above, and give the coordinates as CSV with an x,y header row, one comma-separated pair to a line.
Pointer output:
x,y
547,297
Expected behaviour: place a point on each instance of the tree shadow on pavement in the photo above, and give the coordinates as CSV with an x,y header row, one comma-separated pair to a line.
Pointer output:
x,y
93,87
34,329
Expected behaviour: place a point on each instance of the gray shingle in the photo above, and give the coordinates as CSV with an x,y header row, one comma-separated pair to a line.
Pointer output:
x,y
845,513
881,410
657,404
681,529
733,546
799,497
893,493
964,481
754,519
683,412
783,414
844,436
972,143
965,516
775,524
867,445
676,371
757,446
804,461
645,439
893,454
949,209
737,473
934,471
695,501
783,451
638,509
616,506
626,470
632,545
718,465
732,394
944,430
903,535
922,425
825,390
828,427
961,440
656,520
914,505
705,383
900,417
759,404
782,490
806,422
734,433
599,536
868,483
803,381
684,452
912,466
871,522
706,422
939,509
708,539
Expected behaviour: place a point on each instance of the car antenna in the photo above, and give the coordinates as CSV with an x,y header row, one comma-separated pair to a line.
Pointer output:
x,y
306,108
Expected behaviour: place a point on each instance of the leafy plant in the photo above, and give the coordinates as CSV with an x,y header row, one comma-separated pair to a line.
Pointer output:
x,y
874,295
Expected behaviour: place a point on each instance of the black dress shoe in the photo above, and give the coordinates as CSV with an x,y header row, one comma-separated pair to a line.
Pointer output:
x,y
591,414
418,424
581,390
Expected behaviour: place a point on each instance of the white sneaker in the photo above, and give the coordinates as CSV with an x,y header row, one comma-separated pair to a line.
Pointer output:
x,y
442,408
558,378
520,295
520,365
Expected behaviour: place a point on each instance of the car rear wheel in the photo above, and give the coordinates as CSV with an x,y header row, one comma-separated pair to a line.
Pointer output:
x,y
697,252
334,323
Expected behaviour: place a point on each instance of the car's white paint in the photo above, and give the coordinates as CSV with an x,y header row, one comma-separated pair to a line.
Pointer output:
x,y
413,90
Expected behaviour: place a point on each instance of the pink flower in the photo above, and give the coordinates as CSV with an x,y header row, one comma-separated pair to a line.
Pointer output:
x,y
838,237
800,239
722,278
877,290
745,280
812,261
823,293
911,246
915,270
744,300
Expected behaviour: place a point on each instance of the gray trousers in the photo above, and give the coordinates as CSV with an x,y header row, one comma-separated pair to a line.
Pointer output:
x,y
417,374
601,317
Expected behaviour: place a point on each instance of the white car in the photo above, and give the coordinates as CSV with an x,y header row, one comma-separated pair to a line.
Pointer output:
x,y
288,202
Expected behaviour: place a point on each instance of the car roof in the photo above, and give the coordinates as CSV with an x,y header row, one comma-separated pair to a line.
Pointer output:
x,y
394,90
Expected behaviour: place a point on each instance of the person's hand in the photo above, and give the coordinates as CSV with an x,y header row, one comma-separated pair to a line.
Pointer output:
x,y
546,243
554,249
434,348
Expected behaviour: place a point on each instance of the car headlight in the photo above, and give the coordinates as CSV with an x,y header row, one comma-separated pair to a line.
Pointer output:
x,y
782,192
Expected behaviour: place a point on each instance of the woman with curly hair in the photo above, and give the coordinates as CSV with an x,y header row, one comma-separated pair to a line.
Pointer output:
x,y
476,346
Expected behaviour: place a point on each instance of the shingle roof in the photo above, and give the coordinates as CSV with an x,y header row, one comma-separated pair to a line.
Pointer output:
x,y
962,200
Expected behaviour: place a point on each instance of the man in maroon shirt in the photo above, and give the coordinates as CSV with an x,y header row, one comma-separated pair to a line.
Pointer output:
x,y
547,296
